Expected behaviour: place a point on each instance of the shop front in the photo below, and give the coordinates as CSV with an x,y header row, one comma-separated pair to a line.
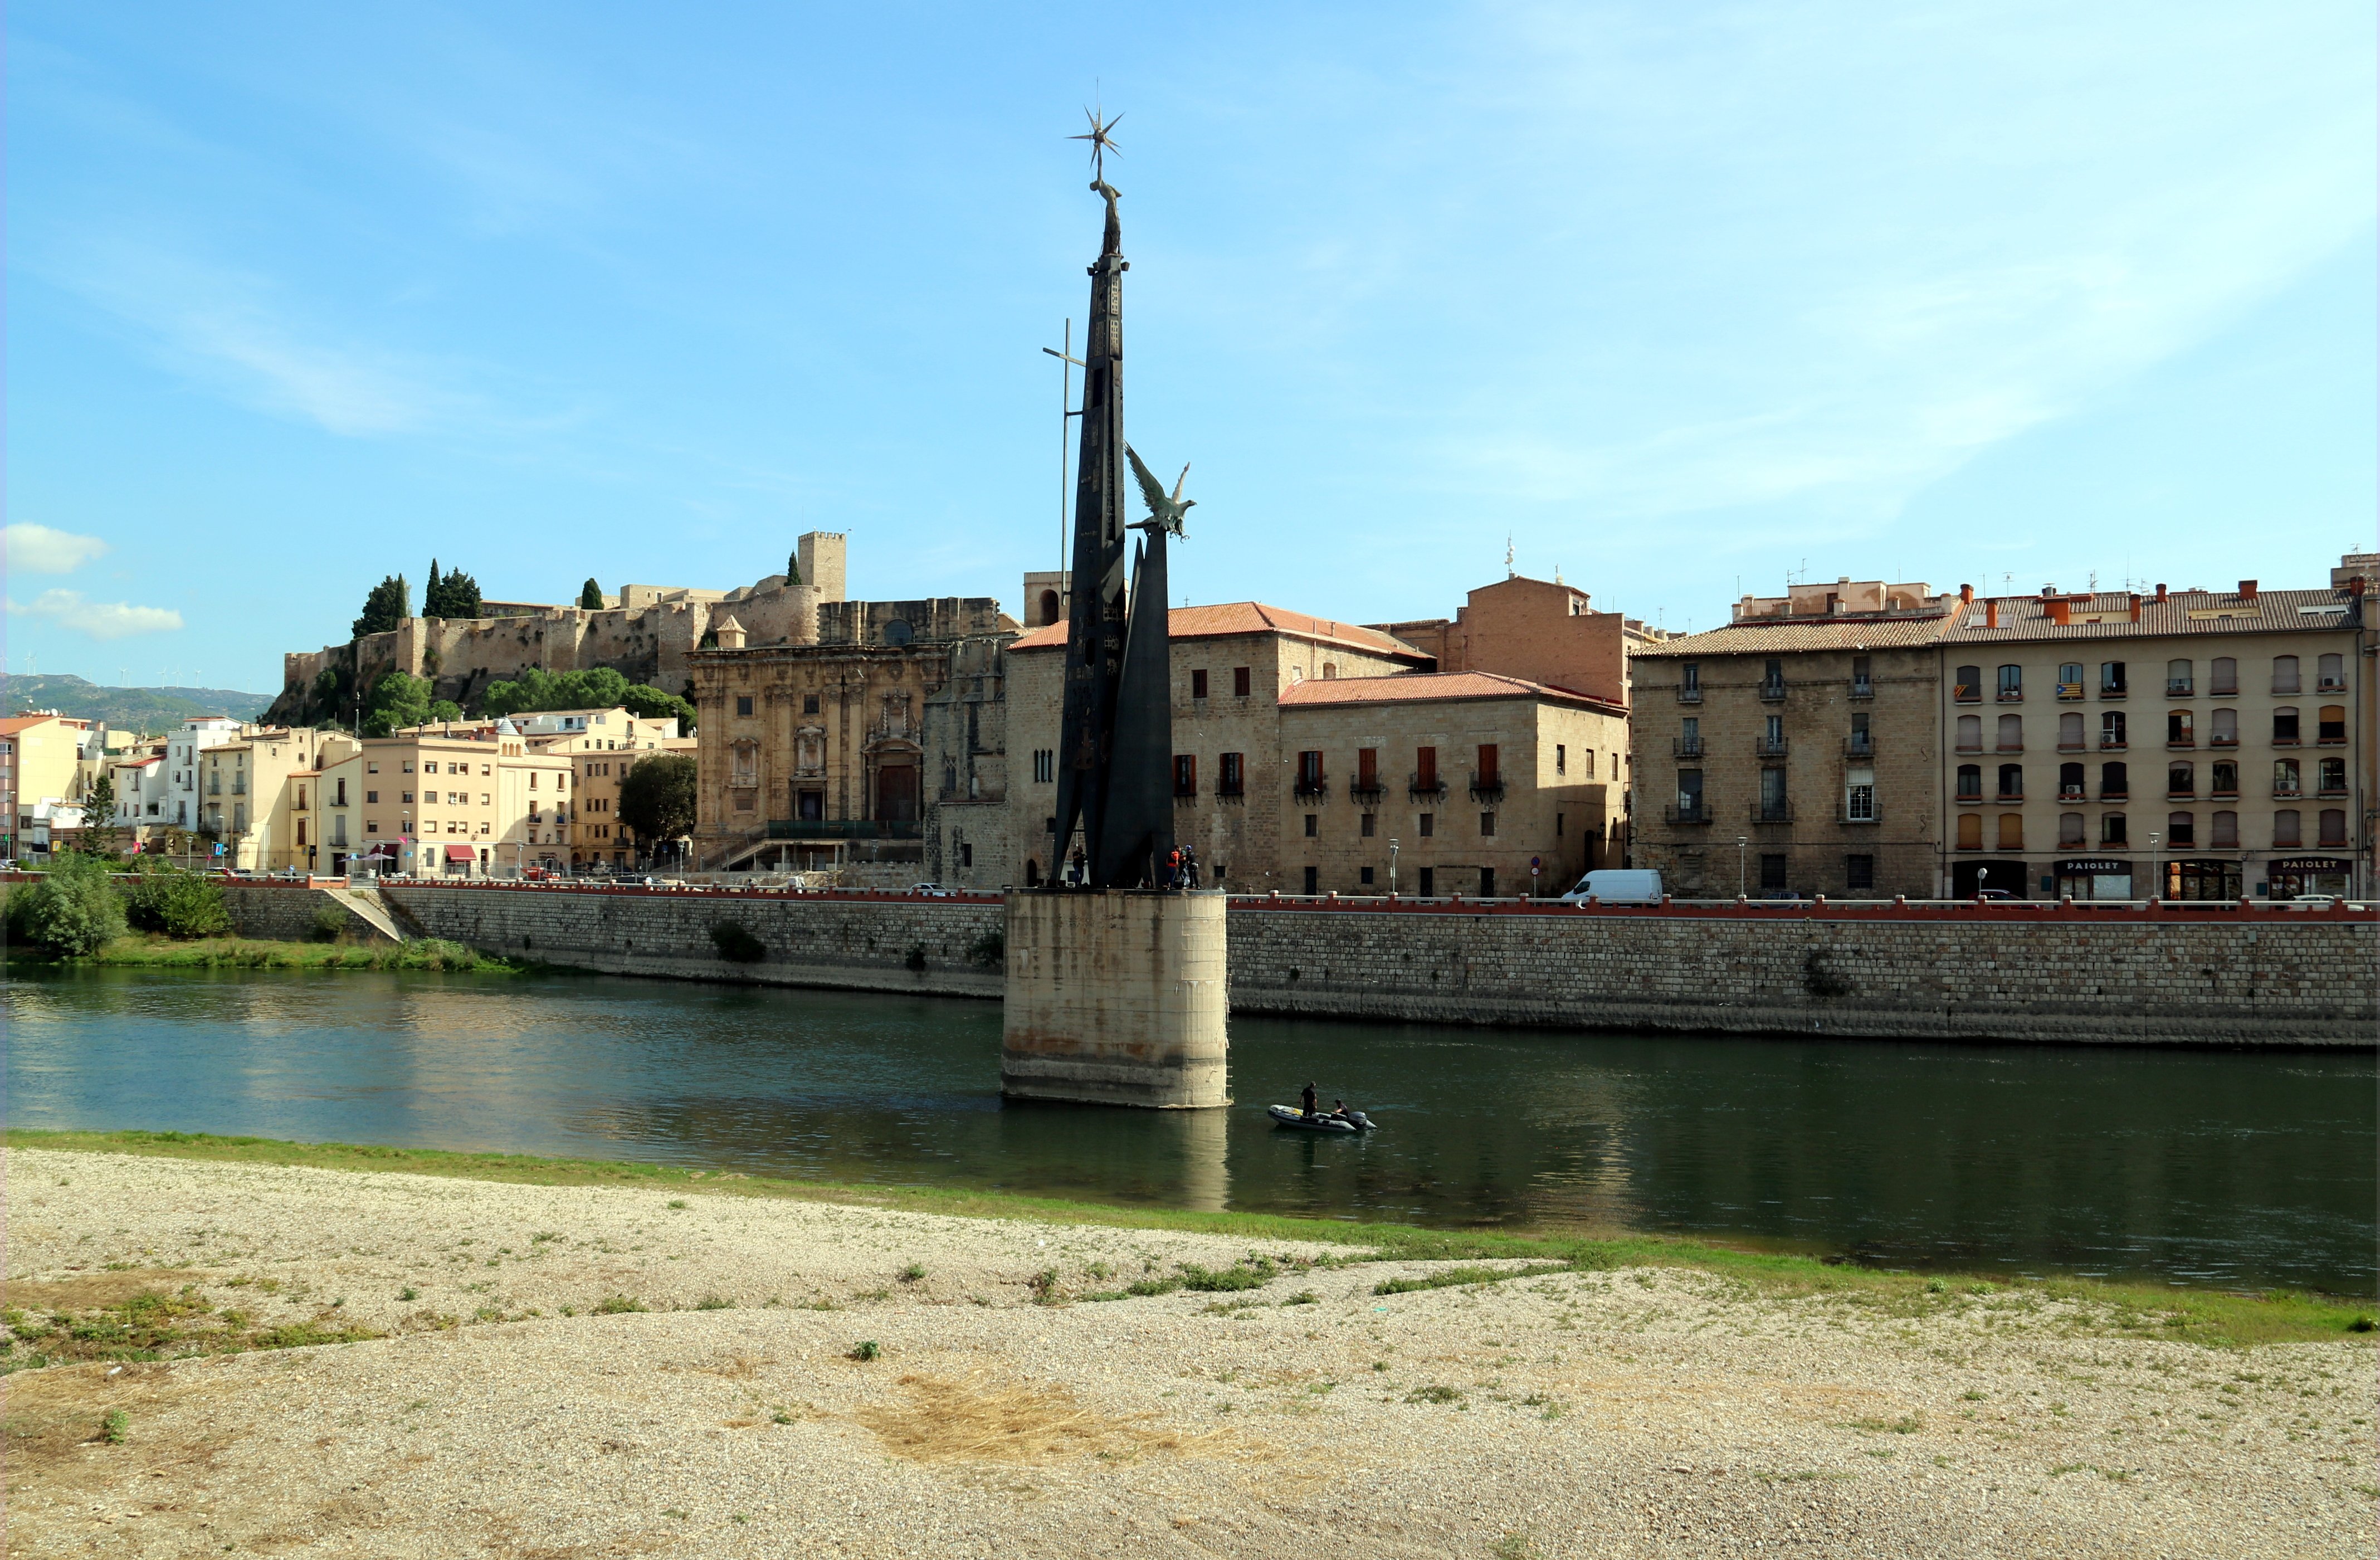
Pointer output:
x,y
2286,877
2094,877
2203,877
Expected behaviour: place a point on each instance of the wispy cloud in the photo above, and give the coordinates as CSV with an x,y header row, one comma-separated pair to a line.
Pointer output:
x,y
100,620
237,331
31,549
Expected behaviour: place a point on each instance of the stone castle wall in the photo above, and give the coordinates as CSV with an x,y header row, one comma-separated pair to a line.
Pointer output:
x,y
2246,978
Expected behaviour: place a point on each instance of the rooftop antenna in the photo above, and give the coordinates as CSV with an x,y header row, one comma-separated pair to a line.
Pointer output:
x,y
1507,555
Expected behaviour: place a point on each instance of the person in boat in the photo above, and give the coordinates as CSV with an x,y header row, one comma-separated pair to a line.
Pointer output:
x,y
1306,1101
1338,1111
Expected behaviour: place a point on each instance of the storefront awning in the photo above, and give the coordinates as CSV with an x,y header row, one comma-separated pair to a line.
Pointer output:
x,y
461,853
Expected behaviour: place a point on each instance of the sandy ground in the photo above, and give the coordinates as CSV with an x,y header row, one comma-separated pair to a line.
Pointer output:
x,y
1634,1413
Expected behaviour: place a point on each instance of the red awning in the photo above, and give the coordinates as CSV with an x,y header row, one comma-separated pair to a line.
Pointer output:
x,y
461,853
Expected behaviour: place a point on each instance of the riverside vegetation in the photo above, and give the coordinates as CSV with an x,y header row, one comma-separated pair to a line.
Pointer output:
x,y
160,915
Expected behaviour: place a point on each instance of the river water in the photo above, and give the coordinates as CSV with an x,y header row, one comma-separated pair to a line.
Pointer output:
x,y
2232,1168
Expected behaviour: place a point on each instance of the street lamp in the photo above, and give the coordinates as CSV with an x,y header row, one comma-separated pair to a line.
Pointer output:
x,y
1393,866
2157,878
1739,843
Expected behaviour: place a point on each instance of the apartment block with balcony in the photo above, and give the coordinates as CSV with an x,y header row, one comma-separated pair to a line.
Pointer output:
x,y
2185,744
1792,752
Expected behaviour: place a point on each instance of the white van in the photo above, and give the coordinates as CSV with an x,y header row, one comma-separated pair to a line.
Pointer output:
x,y
1617,886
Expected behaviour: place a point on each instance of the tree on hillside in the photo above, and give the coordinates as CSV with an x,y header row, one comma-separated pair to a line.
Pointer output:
x,y
390,604
650,703
657,799
454,594
590,596
597,687
397,700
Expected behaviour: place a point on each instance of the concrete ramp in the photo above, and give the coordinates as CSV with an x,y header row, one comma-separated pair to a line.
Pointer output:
x,y
365,905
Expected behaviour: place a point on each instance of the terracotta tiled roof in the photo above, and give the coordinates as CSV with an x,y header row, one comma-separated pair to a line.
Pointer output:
x,y
1246,618
2184,612
15,723
1413,686
1901,632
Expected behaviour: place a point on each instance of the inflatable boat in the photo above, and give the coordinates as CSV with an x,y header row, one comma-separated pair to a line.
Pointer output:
x,y
1290,1116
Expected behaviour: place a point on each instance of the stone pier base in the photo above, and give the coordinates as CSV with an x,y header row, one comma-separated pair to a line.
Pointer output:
x,y
1116,998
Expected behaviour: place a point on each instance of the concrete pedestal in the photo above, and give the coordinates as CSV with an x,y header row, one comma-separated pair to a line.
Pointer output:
x,y
1116,998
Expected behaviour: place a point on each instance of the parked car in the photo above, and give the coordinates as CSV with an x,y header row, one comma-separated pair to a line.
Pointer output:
x,y
1617,886
936,889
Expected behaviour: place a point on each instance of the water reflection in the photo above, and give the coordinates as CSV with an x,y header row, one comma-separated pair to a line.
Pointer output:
x,y
2234,1168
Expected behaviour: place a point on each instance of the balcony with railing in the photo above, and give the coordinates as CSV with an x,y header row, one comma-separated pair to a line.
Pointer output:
x,y
2282,686
2117,793
1862,688
1685,746
1859,745
2179,688
1369,794
2112,742
1311,785
2330,734
2069,690
1771,690
2330,685
1487,789
1425,788
1689,695
2071,793
1696,811
1966,693
2008,694
1767,812
1770,747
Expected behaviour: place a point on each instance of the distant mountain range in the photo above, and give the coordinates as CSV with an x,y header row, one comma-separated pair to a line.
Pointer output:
x,y
147,709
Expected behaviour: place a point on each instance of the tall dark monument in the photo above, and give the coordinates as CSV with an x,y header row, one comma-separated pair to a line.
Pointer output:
x,y
1116,987
1115,746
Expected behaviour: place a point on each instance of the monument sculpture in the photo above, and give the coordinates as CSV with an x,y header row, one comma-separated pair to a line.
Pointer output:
x,y
1116,976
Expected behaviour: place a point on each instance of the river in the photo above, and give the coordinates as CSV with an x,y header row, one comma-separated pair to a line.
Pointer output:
x,y
2202,1167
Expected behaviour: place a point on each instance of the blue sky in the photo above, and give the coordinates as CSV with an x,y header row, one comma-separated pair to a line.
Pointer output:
x,y
1681,298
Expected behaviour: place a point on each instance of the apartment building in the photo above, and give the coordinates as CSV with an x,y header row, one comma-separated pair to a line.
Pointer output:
x,y
473,803
142,792
1231,665
42,755
1796,751
184,745
2185,745
601,745
255,796
1435,784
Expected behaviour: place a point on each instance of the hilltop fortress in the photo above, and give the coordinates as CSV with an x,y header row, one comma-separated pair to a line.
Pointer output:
x,y
645,633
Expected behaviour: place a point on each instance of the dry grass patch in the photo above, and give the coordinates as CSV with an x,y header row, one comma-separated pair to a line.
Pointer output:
x,y
947,1422
59,1424
91,1291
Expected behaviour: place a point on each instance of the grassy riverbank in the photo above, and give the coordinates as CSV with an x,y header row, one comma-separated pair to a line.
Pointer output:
x,y
150,951
2212,1317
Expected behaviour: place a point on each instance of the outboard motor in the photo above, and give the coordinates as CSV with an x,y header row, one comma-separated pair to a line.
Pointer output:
x,y
1363,1122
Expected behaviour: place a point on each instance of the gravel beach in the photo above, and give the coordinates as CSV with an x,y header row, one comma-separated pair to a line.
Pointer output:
x,y
567,1371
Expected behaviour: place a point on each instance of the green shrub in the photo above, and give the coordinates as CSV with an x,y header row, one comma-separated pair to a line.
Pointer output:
x,y
72,912
1239,1275
735,944
177,904
990,950
330,924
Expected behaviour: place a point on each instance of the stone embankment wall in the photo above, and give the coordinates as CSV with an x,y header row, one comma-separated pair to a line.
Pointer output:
x,y
289,912
2027,973
874,942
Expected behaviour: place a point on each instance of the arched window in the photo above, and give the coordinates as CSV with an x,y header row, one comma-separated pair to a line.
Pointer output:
x,y
1971,782
2223,831
2179,730
1049,607
2011,831
2011,684
2069,782
1969,686
2181,828
2284,726
2285,674
1970,831
2011,734
2330,675
2223,728
2181,780
2111,829
1971,734
2285,777
2285,829
2329,726
2069,731
2178,678
2115,783
2069,829
2222,676
2333,777
2012,782
2334,826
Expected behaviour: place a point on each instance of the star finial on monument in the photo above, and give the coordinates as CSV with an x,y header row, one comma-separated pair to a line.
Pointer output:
x,y
1102,142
